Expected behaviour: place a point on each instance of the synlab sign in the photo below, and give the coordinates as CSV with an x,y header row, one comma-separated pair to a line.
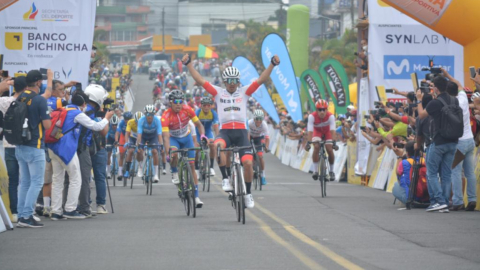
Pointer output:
x,y
399,67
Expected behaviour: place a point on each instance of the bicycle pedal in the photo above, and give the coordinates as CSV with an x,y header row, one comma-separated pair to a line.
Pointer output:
x,y
230,196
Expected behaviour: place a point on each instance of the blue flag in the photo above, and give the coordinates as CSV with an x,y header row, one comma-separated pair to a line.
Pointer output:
x,y
283,75
249,74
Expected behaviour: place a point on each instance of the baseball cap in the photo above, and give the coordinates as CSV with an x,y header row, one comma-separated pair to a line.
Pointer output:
x,y
33,76
20,83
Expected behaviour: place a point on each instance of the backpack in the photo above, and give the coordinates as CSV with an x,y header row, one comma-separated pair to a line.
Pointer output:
x,y
54,133
451,123
14,119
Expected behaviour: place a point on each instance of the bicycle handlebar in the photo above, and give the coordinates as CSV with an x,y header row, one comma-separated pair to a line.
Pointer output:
x,y
235,148
186,150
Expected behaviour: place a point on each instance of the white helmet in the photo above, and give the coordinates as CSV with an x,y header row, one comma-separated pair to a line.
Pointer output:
x,y
96,93
114,120
258,114
231,73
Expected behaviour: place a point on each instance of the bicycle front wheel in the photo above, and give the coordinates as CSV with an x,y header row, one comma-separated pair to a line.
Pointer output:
x,y
191,193
322,170
184,188
241,194
150,175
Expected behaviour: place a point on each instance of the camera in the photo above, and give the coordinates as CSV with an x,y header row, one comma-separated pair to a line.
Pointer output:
x,y
367,116
425,87
381,111
363,128
378,104
399,145
373,112
108,101
434,71
388,90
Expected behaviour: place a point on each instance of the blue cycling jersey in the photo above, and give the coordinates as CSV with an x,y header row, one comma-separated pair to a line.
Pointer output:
x,y
149,130
122,127
208,120
111,131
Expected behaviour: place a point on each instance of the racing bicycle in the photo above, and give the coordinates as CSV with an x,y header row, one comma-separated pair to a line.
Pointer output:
x,y
148,166
323,166
186,187
257,178
204,163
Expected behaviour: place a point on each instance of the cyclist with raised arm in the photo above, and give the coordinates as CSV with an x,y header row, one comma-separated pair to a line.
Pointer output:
x,y
259,134
111,141
232,113
120,138
149,130
177,135
209,119
131,134
321,123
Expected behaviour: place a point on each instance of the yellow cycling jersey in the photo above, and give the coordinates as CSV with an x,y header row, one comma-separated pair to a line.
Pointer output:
x,y
132,127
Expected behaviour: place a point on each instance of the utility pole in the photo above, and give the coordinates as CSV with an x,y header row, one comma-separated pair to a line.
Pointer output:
x,y
163,29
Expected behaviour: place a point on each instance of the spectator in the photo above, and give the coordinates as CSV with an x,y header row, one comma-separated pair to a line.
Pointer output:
x,y
64,157
401,188
466,146
11,162
442,149
31,155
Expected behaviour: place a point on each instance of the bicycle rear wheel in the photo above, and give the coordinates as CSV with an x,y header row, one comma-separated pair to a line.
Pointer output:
x,y
255,172
241,193
184,188
322,171
150,176
112,172
191,192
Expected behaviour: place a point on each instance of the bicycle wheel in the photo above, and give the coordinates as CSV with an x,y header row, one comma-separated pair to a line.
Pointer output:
x,y
322,169
241,193
112,172
235,198
191,192
150,176
184,189
255,172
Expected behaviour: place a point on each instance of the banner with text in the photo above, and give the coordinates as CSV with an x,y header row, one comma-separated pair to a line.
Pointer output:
x,y
313,83
283,75
48,34
399,46
249,74
336,81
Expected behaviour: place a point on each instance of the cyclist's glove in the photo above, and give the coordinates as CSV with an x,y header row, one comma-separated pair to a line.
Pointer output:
x,y
307,146
204,138
126,145
115,143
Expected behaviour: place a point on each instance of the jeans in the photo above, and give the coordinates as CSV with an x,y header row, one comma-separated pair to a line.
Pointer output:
x,y
399,193
99,164
466,147
429,185
32,170
440,161
13,174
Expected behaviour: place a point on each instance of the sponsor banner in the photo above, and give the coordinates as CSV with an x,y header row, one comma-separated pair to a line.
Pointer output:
x,y
340,161
293,153
427,11
386,168
283,75
336,81
351,160
313,84
376,168
372,158
48,34
399,46
249,74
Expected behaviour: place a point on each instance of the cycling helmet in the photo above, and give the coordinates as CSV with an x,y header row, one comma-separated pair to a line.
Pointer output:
x,y
231,73
341,116
188,94
321,104
475,95
258,114
138,115
150,109
176,94
127,115
177,79
206,100
114,120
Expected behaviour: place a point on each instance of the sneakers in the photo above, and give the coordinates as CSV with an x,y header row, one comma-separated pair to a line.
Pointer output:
x,y
249,203
457,207
198,203
74,215
120,178
445,210
56,217
126,175
315,176
332,176
14,218
101,209
175,179
471,206
164,172
264,182
140,172
29,223
155,179
436,207
226,186
109,176
87,214
39,209
37,219
212,172
47,211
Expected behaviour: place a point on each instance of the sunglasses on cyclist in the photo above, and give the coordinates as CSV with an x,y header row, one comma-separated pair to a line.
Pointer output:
x,y
321,110
233,81
258,118
177,101
149,114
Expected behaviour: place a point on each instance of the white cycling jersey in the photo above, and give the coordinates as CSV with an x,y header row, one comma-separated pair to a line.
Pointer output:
x,y
255,131
231,108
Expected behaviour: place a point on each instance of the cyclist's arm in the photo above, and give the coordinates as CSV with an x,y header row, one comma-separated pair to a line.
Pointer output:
x,y
199,125
139,138
195,75
266,74
117,136
311,119
159,129
215,130
166,140
333,132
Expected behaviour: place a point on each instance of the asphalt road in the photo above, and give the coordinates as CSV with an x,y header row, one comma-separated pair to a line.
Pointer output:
x,y
291,227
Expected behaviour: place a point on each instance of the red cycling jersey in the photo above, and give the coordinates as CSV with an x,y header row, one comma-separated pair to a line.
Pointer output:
x,y
177,123
321,126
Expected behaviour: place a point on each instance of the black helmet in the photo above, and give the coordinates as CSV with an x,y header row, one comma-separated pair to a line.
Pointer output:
x,y
206,100
176,94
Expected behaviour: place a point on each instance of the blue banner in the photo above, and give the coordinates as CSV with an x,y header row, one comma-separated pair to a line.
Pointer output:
x,y
249,74
283,75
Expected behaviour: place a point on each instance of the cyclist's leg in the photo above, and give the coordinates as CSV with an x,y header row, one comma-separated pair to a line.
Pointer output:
x,y
222,141
213,152
315,157
153,140
130,151
174,145
123,151
241,139
258,142
197,155
331,155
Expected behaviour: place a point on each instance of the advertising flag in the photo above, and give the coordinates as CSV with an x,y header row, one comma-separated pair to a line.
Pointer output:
x,y
249,74
336,81
57,35
283,75
312,82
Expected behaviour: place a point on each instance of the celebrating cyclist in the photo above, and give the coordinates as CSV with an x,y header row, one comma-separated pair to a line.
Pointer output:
x,y
177,135
120,137
259,134
232,107
131,134
209,119
111,140
149,130
321,123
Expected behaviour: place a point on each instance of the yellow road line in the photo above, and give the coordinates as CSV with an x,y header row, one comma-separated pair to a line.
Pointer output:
x,y
321,248
311,264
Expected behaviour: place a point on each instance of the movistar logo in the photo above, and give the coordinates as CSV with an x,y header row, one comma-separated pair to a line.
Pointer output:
x,y
31,13
397,69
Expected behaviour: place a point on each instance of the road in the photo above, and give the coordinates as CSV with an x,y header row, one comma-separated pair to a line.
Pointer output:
x,y
291,227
